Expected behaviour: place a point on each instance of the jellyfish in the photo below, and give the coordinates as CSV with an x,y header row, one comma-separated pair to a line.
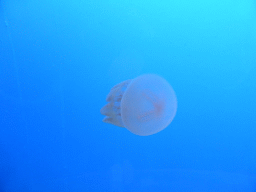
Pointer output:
x,y
144,105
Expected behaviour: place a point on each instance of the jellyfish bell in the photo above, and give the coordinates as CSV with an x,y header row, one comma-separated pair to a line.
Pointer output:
x,y
144,105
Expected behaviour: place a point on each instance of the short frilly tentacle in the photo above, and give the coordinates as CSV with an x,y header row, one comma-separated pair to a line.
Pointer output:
x,y
112,110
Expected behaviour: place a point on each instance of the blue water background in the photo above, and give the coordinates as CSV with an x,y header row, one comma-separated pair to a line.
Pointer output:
x,y
58,61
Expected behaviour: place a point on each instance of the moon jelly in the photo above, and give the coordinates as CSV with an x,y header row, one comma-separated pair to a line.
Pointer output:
x,y
144,105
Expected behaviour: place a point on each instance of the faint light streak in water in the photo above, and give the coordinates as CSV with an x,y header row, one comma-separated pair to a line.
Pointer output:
x,y
16,69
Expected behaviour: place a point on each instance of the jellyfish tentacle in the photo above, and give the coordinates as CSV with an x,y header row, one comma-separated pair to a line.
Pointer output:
x,y
112,110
